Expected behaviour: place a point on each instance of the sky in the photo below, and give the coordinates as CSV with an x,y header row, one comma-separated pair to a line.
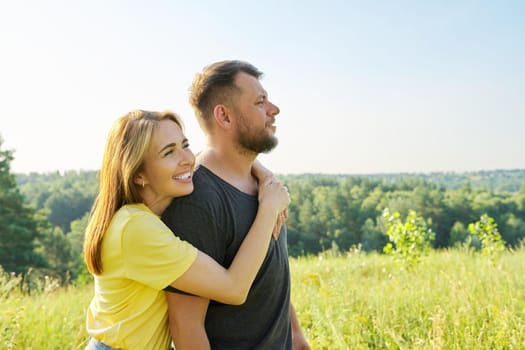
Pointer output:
x,y
363,86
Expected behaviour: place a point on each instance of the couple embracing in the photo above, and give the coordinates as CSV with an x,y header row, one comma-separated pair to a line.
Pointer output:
x,y
193,254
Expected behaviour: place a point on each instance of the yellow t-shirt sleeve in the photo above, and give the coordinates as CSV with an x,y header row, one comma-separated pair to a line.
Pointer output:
x,y
152,255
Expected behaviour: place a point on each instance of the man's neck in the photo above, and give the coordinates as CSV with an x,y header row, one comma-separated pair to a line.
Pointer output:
x,y
230,165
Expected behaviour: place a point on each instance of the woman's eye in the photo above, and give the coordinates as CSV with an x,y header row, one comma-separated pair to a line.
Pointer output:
x,y
167,153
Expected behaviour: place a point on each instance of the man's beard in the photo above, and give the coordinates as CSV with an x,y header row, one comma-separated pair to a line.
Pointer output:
x,y
257,141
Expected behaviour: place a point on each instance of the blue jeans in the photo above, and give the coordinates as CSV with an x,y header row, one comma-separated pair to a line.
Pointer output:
x,y
97,345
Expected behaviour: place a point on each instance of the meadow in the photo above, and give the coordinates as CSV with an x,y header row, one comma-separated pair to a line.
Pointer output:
x,y
453,299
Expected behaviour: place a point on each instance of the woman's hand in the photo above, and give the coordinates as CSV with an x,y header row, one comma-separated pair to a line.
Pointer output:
x,y
273,194
281,220
262,173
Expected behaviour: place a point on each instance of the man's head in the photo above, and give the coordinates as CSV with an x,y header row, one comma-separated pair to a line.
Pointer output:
x,y
229,94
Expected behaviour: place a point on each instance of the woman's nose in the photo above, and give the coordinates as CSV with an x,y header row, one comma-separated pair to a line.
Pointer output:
x,y
187,157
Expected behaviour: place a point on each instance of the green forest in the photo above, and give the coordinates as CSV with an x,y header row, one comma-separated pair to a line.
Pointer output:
x,y
43,215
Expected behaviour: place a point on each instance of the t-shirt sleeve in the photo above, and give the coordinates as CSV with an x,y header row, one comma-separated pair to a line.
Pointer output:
x,y
152,254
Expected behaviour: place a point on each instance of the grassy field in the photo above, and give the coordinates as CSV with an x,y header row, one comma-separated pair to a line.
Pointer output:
x,y
451,300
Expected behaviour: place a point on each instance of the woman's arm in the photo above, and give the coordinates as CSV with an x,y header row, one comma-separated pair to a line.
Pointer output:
x,y
261,173
208,279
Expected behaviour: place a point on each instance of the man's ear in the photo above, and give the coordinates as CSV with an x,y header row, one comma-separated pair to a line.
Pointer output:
x,y
222,116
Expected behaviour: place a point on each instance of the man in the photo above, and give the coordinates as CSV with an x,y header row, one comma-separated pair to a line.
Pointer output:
x,y
238,119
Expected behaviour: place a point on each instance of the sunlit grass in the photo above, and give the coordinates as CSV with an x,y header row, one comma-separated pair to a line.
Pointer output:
x,y
451,300
47,320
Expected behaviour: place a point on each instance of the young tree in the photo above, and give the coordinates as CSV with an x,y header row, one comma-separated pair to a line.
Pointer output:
x,y
18,230
411,239
486,229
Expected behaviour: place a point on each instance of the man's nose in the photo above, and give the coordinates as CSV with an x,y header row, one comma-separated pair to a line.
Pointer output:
x,y
273,110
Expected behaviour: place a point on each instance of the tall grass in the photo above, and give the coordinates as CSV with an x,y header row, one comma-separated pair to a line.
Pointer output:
x,y
451,300
50,318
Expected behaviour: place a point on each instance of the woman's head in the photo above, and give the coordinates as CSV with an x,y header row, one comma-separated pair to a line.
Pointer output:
x,y
127,148
167,168
127,145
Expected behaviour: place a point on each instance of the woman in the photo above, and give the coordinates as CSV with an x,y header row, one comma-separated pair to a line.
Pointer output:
x,y
134,256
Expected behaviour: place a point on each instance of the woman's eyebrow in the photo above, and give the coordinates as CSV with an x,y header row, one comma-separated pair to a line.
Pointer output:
x,y
169,145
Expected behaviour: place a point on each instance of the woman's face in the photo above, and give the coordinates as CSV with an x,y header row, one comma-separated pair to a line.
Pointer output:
x,y
168,165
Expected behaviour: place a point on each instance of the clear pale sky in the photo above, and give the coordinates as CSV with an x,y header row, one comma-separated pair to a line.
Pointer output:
x,y
363,86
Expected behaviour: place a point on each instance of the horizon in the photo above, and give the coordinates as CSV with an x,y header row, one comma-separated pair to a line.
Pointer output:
x,y
363,88
63,172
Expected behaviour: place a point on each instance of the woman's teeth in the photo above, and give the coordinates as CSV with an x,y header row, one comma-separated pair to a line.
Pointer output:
x,y
183,176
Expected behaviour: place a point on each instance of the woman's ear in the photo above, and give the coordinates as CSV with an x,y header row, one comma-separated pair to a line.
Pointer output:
x,y
139,180
221,114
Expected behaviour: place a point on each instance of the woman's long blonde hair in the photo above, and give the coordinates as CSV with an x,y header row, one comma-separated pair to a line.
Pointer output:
x,y
128,141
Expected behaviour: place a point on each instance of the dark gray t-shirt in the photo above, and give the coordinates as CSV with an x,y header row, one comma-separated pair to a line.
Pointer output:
x,y
215,218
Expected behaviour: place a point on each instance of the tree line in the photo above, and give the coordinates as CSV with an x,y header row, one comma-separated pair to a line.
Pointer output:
x,y
345,211
43,215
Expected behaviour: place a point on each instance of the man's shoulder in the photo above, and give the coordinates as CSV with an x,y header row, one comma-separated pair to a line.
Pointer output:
x,y
205,178
206,191
205,185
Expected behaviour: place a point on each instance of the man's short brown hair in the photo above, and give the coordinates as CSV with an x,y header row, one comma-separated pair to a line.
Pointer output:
x,y
215,85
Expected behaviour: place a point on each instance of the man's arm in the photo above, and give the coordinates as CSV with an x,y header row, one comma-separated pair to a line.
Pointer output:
x,y
186,318
191,221
298,340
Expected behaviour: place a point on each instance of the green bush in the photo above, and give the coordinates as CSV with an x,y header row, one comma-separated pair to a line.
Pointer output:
x,y
486,230
409,240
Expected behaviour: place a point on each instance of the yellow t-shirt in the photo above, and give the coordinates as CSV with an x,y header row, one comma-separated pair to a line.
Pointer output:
x,y
140,257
